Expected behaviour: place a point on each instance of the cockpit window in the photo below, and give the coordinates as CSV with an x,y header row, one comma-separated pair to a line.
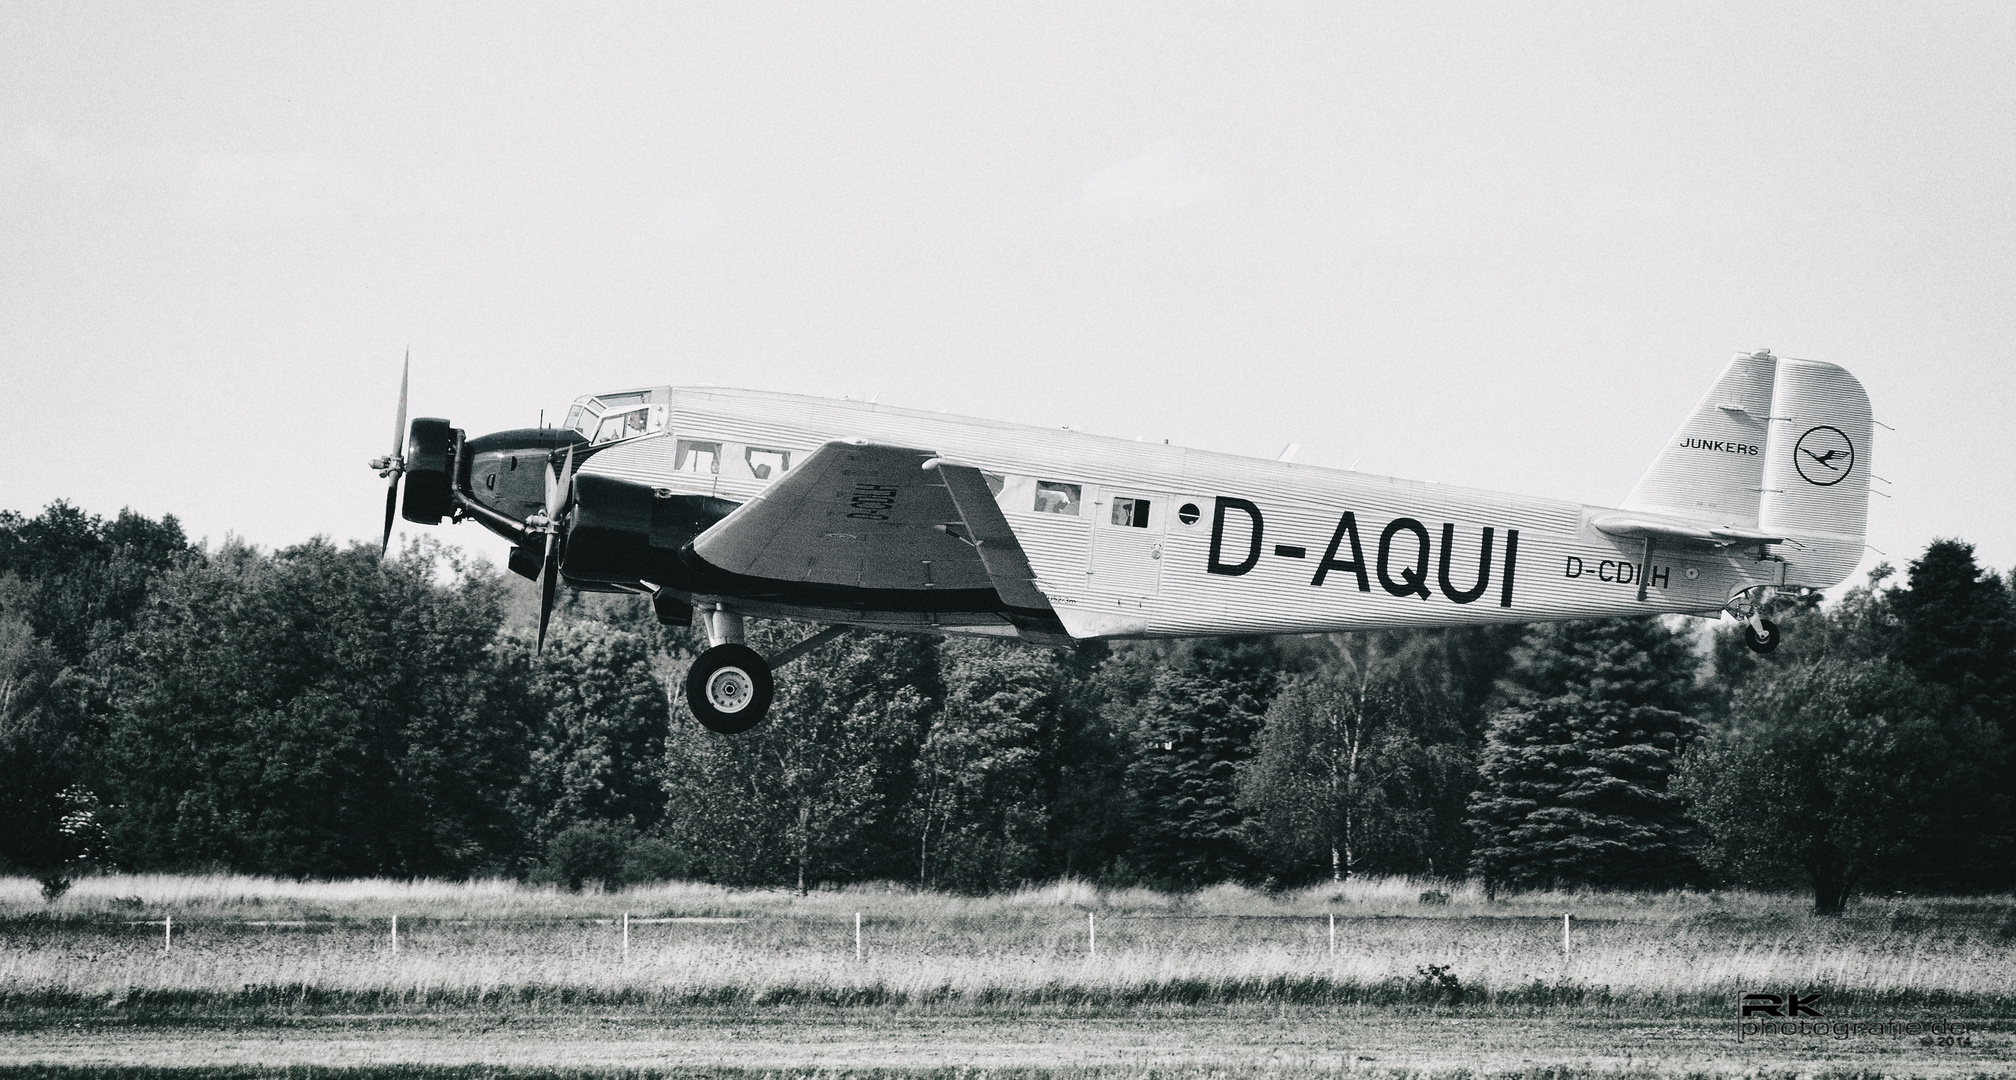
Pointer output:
x,y
622,425
767,464
641,412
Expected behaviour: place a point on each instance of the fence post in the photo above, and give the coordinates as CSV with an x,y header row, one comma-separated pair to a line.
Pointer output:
x,y
395,935
167,933
1091,934
1565,917
857,936
626,937
1333,933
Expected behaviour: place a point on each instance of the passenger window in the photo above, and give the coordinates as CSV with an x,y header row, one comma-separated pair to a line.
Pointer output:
x,y
767,463
697,457
1055,498
1131,512
1017,494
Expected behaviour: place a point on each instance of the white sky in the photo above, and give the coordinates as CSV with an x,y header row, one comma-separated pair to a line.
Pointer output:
x,y
1499,245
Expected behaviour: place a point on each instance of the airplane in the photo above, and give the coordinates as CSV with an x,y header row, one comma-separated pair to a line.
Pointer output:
x,y
741,504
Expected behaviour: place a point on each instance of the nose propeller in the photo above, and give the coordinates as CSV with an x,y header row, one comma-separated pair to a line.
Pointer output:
x,y
393,465
421,465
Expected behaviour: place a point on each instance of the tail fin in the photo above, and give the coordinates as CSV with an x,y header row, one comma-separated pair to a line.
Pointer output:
x,y
1713,467
1779,447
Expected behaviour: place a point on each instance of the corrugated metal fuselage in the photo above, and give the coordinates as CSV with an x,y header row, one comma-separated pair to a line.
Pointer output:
x,y
1224,544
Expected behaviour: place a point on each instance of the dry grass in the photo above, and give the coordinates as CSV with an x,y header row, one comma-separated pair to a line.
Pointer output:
x,y
256,942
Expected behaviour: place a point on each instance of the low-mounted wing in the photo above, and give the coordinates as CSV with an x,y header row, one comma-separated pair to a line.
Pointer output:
x,y
870,516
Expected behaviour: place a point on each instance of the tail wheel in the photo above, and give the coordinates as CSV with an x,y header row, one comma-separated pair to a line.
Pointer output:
x,y
1764,642
729,689
427,496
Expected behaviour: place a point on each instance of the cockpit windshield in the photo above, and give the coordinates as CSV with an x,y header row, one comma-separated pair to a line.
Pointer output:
x,y
609,417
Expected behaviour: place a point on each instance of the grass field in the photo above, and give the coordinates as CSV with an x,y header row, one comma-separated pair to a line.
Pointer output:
x,y
507,977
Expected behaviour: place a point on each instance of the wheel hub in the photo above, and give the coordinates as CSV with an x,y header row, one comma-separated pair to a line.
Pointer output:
x,y
730,690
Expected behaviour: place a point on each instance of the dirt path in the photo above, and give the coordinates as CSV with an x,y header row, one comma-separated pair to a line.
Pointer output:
x,y
1283,1045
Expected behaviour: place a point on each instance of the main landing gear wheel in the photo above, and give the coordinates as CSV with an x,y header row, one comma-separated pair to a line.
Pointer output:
x,y
1761,642
729,689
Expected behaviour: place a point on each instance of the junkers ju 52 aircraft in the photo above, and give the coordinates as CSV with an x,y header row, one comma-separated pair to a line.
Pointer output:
x,y
742,504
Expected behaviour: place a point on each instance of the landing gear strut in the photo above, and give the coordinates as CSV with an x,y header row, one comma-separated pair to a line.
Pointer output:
x,y
729,687
1760,633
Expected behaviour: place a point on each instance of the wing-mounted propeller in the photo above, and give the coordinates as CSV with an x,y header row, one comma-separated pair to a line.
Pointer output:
x,y
392,466
548,522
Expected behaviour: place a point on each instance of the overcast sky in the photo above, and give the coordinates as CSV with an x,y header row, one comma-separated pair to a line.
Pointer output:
x,y
1499,245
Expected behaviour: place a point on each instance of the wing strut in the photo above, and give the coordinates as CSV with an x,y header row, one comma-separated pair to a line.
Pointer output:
x,y
785,656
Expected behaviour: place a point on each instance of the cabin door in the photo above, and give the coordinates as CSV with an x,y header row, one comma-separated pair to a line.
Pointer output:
x,y
1126,558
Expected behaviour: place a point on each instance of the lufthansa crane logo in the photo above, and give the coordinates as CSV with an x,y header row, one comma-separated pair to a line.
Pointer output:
x,y
1824,456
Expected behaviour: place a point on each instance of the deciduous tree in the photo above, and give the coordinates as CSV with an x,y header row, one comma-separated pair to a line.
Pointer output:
x,y
1354,768
1830,772
597,716
977,813
315,712
813,792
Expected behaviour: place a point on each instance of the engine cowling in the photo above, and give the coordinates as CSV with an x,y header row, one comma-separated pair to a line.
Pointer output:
x,y
430,450
505,471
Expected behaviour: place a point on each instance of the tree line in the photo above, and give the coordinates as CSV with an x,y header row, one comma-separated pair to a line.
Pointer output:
x,y
317,711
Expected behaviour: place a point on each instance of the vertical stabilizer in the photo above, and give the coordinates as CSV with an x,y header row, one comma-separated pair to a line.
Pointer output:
x,y
1712,468
1816,471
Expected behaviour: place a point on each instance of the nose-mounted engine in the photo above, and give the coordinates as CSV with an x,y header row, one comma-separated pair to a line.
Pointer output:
x,y
517,483
501,480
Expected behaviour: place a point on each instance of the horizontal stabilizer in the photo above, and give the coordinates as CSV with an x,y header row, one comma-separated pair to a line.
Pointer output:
x,y
1643,525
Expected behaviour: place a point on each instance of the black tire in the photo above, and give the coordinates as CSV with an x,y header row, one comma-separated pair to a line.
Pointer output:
x,y
1764,643
429,441
729,689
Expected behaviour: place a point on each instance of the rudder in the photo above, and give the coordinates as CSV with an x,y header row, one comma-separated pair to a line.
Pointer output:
x,y
1816,471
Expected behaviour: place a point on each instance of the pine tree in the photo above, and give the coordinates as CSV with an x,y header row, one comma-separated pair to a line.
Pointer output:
x,y
1956,627
1084,755
1191,734
1573,784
